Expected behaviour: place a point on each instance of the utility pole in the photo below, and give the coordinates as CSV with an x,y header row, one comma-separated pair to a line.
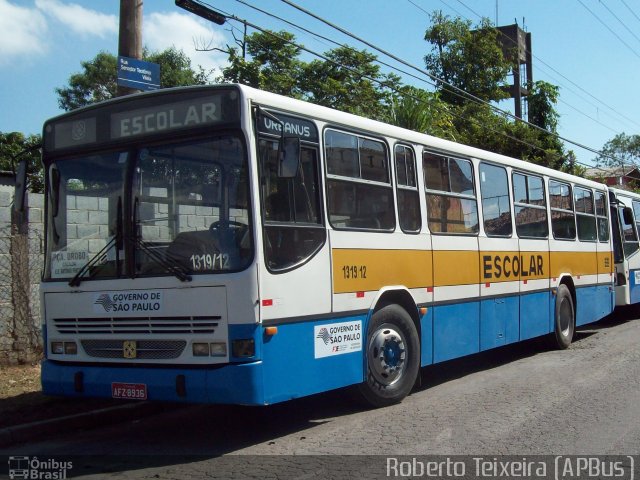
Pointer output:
x,y
130,37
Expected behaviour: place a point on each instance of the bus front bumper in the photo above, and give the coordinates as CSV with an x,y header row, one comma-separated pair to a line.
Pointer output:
x,y
231,384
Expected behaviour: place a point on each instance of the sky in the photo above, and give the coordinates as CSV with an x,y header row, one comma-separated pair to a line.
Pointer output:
x,y
589,48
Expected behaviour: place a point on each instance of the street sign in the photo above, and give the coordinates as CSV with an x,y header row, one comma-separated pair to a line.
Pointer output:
x,y
134,73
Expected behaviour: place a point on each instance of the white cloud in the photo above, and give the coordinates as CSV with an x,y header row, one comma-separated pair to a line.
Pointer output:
x,y
22,32
79,19
164,30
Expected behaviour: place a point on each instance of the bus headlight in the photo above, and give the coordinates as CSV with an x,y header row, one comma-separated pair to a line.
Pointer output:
x,y
200,349
57,348
244,348
219,349
70,348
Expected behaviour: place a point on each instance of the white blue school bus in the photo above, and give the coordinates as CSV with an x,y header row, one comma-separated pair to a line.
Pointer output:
x,y
228,245
626,205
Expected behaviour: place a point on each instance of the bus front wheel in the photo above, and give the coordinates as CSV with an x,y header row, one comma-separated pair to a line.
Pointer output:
x,y
392,357
564,319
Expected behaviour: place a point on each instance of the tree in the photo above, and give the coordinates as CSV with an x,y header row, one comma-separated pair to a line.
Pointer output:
x,y
470,60
274,65
97,81
541,101
621,150
421,111
351,81
14,147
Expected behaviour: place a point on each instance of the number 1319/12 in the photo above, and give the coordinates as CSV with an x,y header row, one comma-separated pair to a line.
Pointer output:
x,y
354,271
217,261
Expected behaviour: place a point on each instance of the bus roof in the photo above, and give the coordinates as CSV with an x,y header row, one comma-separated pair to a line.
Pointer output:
x,y
354,122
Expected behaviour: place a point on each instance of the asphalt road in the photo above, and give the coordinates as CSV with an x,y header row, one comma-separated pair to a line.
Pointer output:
x,y
519,400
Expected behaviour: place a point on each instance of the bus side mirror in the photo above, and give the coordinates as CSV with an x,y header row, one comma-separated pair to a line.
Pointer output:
x,y
627,215
20,187
289,157
54,187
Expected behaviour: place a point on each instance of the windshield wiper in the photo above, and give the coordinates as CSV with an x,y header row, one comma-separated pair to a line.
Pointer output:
x,y
75,281
169,264
116,241
173,267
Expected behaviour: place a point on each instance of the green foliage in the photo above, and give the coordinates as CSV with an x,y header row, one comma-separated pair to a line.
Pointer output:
x,y
473,61
541,100
97,81
625,150
273,65
421,111
12,146
175,68
470,60
349,81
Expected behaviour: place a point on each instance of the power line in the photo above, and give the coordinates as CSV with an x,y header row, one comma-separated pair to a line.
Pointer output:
x,y
619,20
610,29
601,102
396,68
326,39
385,85
465,94
631,10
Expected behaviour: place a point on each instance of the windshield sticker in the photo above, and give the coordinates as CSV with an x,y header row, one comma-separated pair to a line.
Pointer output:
x,y
128,302
337,338
66,264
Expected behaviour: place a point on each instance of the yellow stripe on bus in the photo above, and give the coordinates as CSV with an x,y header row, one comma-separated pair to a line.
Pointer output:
x,y
357,270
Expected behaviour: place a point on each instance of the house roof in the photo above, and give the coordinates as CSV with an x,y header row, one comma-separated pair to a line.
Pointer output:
x,y
606,172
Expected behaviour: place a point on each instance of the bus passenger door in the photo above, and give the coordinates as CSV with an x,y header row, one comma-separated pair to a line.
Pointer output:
x,y
628,264
532,230
295,277
500,263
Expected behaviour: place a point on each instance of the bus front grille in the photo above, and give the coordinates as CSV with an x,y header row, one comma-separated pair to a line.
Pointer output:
x,y
145,349
139,325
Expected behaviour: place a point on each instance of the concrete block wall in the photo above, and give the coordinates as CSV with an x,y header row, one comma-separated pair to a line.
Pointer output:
x,y
21,259
87,223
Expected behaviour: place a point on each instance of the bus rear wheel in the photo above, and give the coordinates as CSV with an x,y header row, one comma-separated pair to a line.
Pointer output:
x,y
392,355
565,319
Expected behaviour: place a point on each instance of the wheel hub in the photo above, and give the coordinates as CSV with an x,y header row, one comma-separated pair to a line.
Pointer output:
x,y
387,355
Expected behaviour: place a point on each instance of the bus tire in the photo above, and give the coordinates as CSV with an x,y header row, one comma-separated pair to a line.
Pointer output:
x,y
565,319
392,354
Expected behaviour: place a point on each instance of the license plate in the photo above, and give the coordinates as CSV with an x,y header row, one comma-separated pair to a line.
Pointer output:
x,y
129,391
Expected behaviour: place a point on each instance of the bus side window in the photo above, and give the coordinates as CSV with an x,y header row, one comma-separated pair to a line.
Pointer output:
x,y
563,220
292,216
407,184
585,215
496,207
530,206
602,217
636,214
359,190
451,200
629,235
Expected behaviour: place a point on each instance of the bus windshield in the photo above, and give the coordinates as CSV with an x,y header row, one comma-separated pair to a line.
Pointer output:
x,y
185,210
191,207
